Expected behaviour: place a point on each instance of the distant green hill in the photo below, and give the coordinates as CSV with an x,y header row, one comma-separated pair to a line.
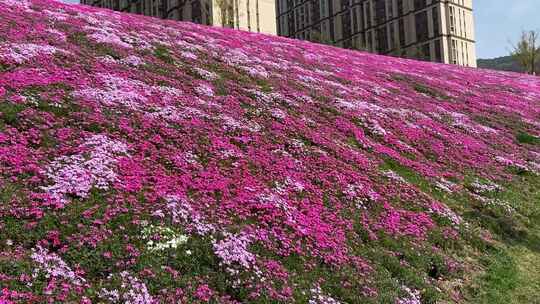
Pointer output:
x,y
506,63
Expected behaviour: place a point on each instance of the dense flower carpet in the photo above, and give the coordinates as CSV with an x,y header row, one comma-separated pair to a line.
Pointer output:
x,y
152,161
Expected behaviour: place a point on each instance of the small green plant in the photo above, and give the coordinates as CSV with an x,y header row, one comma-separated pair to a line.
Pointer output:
x,y
526,138
9,112
423,89
163,54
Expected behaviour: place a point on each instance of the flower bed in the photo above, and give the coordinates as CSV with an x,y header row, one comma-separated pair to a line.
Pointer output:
x,y
151,161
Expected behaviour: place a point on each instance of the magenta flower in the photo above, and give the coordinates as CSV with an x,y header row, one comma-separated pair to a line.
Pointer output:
x,y
153,161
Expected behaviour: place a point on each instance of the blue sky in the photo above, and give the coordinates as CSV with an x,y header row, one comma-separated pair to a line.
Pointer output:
x,y
497,24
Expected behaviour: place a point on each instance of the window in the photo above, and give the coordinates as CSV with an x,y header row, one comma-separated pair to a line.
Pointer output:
x,y
465,26
196,11
346,25
421,23
382,39
435,15
367,8
426,52
392,35
315,12
462,52
401,25
452,19
360,14
467,52
390,8
438,53
380,11
419,4
400,7
454,51
463,31
324,12
354,19
331,21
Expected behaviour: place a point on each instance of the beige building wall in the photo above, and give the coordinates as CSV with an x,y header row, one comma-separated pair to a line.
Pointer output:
x,y
435,30
459,25
249,15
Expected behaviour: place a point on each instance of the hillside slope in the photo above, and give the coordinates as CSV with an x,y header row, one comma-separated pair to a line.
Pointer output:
x,y
150,161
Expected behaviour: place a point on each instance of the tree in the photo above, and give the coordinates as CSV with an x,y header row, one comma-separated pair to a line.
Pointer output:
x,y
527,51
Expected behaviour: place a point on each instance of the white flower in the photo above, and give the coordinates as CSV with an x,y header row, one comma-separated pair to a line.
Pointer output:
x,y
168,238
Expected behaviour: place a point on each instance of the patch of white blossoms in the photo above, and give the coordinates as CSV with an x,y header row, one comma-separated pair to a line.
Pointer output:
x,y
117,91
132,291
393,176
93,167
53,267
318,297
22,52
182,212
413,297
483,188
233,250
207,75
160,238
204,90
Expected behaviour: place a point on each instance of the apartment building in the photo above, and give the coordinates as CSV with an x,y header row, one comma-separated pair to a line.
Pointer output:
x,y
434,30
250,15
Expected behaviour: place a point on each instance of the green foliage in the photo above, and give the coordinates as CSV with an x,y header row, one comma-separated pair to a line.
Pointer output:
x,y
4,68
103,49
423,89
527,51
78,38
499,279
505,63
100,49
526,138
512,271
412,177
162,53
420,87
220,87
9,113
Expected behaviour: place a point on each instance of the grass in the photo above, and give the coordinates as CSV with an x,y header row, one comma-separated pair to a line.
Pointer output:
x,y
163,54
9,113
512,277
499,280
420,88
423,89
512,270
526,138
511,266
412,177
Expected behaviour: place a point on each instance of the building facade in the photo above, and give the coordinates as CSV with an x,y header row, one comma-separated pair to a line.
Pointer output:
x,y
434,30
250,15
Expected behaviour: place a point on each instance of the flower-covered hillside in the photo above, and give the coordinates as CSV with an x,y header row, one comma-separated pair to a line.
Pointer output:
x,y
150,161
